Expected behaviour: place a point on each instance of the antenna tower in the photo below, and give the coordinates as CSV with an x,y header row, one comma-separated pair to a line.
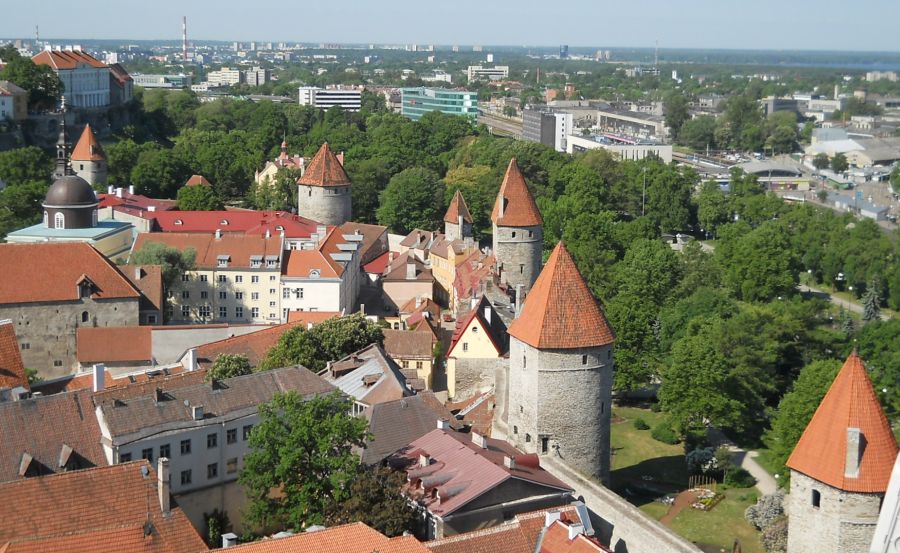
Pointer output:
x,y
656,55
184,45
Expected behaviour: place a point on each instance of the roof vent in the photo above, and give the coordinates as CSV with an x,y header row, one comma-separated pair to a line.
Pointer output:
x,y
509,462
443,424
159,395
229,540
479,440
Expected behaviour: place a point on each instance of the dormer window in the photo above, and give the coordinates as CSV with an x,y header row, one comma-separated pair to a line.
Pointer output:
x,y
314,273
179,222
223,222
255,261
272,261
222,260
279,228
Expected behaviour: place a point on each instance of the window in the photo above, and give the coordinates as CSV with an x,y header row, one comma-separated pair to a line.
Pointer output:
x,y
545,444
165,451
524,361
212,440
212,471
185,311
185,447
231,435
521,409
286,293
530,234
299,293
254,312
239,278
147,454
816,499
222,279
231,465
203,278
271,291
239,312
602,407
254,279
57,363
474,330
185,477
521,269
26,345
528,438
238,295
271,304
151,319
124,457
185,295
59,221
246,432
272,277
204,295
223,295
404,364
254,295
204,311
513,234
255,263
222,263
515,429
85,316
419,365
584,359
465,346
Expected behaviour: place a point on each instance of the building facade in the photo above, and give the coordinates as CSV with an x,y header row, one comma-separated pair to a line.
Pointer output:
x,y
85,79
478,72
13,102
89,159
323,277
348,99
162,81
518,232
416,102
547,126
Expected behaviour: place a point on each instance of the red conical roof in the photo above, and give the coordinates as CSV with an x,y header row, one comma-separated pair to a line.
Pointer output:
x,y
88,147
515,201
821,452
560,312
458,207
324,170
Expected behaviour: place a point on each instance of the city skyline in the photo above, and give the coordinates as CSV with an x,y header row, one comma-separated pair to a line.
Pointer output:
x,y
700,24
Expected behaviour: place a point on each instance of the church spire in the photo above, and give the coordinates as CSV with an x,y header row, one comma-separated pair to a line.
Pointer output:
x,y
62,146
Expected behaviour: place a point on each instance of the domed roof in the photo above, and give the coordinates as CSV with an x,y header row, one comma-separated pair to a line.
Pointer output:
x,y
70,191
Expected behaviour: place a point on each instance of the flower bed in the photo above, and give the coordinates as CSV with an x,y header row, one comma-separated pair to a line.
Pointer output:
x,y
706,499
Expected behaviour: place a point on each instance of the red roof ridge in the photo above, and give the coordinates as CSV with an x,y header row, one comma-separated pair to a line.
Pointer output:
x,y
197,180
515,205
560,312
88,147
458,208
325,169
821,452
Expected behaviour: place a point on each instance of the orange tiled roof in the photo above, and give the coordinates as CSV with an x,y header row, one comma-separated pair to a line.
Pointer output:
x,y
515,201
349,538
239,248
66,59
457,207
822,449
113,344
560,311
256,345
88,147
197,180
12,370
148,279
51,271
325,169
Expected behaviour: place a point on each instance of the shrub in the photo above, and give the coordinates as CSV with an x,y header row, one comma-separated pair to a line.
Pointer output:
x,y
655,407
767,510
736,477
641,424
701,461
774,538
663,433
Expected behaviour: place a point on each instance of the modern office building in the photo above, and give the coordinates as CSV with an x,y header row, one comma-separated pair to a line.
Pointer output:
x,y
162,81
547,126
416,102
349,99
496,73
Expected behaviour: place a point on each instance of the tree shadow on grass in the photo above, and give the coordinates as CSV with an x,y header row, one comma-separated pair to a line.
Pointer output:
x,y
651,478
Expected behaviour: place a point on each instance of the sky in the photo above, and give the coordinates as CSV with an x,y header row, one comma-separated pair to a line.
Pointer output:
x,y
866,25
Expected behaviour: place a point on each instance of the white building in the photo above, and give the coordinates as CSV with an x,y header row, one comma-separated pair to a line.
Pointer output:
x,y
496,73
225,77
348,99
632,152
85,79
162,81
323,277
257,76
438,76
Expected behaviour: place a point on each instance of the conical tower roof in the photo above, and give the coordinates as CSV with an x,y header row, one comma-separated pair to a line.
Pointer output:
x,y
821,452
88,147
324,170
560,312
458,208
515,206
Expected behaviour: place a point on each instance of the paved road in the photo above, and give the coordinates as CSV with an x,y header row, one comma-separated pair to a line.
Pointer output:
x,y
840,302
765,483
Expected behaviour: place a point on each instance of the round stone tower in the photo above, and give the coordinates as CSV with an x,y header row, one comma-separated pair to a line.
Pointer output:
x,y
89,159
561,371
518,231
324,189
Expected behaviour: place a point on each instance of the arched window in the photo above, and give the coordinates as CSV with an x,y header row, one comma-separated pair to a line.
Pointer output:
x,y
84,316
59,220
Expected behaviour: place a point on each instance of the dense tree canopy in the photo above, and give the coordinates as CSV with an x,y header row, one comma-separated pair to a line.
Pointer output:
x,y
43,86
414,198
198,198
327,341
228,366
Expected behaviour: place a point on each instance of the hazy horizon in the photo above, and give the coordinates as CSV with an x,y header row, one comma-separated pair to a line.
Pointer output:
x,y
688,24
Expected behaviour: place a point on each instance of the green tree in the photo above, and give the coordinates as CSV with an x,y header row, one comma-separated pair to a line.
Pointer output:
x,y
301,460
872,301
712,207
278,193
26,164
173,261
820,161
228,366
20,206
43,86
796,408
121,158
877,343
414,198
159,173
370,177
895,179
839,163
198,198
699,133
327,341
376,500
758,264
676,109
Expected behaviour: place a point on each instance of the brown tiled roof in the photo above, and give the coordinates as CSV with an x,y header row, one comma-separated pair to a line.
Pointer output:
x,y
88,147
238,247
477,412
560,312
518,535
515,201
98,509
113,344
121,75
41,427
49,272
256,345
418,239
821,452
148,279
85,380
394,424
147,387
457,207
66,59
197,180
425,305
349,538
369,376
397,269
374,241
300,263
311,317
469,275
12,370
325,169
407,344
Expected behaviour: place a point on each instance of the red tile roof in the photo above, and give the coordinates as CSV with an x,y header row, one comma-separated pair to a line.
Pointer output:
x,y
12,370
66,59
458,207
238,247
88,147
197,180
396,271
148,279
377,265
49,272
477,412
300,263
234,221
374,242
325,169
256,345
311,317
515,206
821,452
135,204
560,312
85,380
113,344
470,273
556,540
99,509
349,538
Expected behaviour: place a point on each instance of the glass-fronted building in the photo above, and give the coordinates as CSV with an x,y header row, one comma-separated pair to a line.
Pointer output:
x,y
416,102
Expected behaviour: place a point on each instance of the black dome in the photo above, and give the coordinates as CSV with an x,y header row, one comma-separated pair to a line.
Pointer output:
x,y
70,190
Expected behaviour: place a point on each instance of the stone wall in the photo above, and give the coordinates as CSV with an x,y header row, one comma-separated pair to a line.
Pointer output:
x,y
475,376
842,522
46,331
329,205
94,172
518,251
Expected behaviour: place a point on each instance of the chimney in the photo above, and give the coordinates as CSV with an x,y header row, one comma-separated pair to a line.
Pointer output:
x,y
424,459
551,517
229,540
218,234
487,314
418,301
856,444
410,270
197,412
119,192
479,440
443,424
390,257
110,189
268,234
131,189
575,530
162,476
151,208
191,360
340,158
138,273
99,377
509,462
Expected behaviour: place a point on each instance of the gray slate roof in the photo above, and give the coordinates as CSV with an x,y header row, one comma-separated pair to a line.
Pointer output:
x,y
396,424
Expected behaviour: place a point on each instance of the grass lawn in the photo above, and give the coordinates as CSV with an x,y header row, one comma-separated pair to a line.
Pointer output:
x,y
723,524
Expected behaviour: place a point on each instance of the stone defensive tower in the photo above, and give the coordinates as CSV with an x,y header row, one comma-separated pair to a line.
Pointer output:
x,y
458,220
89,159
518,231
840,468
561,371
324,189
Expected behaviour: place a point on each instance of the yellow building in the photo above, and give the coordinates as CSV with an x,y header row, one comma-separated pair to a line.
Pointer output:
x,y
445,255
412,349
479,343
